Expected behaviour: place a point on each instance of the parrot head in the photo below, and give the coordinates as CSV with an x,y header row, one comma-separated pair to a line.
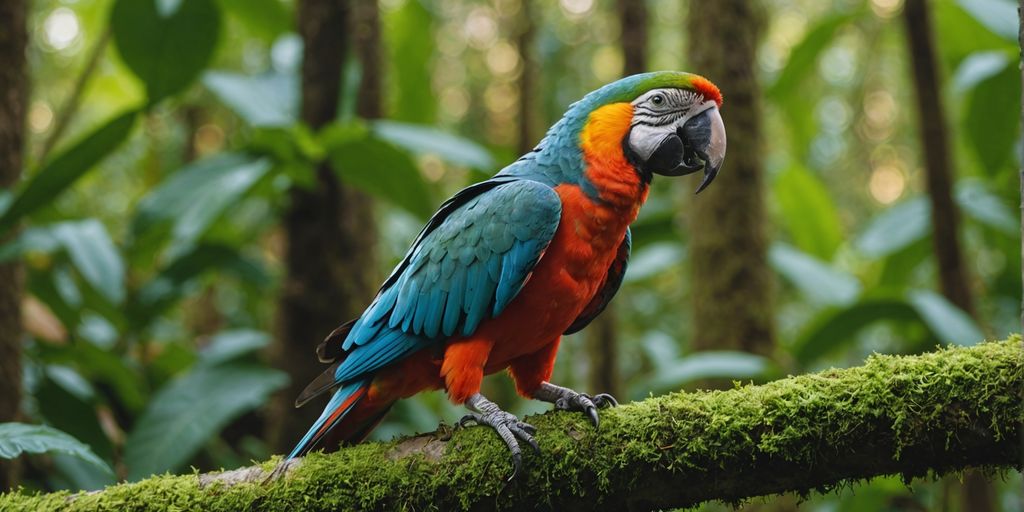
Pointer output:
x,y
668,122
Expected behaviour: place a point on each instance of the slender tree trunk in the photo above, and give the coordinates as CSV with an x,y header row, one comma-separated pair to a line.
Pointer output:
x,y
527,137
977,494
603,335
732,284
13,98
330,232
633,34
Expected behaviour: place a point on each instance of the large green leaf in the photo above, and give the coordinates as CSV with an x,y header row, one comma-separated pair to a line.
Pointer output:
x,y
805,54
18,438
428,140
993,118
229,345
411,37
980,204
166,44
999,16
169,285
267,18
896,228
947,322
378,168
808,212
190,411
94,255
837,328
813,277
709,365
67,402
58,174
192,198
270,99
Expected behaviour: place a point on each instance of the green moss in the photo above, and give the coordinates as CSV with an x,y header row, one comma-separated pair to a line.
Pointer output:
x,y
937,412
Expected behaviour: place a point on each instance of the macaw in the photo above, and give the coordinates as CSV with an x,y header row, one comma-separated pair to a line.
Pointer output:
x,y
507,266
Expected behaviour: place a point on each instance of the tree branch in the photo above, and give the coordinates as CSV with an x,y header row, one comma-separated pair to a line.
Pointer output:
x,y
912,415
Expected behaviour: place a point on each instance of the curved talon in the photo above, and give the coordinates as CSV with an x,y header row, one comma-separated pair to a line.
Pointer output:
x,y
582,402
509,428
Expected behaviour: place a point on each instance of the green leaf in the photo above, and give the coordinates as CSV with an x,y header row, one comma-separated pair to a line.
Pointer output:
x,y
979,66
805,54
31,240
188,412
962,34
999,16
270,99
58,174
837,328
378,168
229,345
808,212
422,139
813,277
946,321
654,259
94,255
896,228
992,118
411,44
709,365
192,198
18,438
267,18
980,204
165,46
169,285
66,403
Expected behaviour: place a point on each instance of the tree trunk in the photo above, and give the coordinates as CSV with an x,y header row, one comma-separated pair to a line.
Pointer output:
x,y
603,334
330,231
633,35
732,284
977,495
527,138
815,432
13,99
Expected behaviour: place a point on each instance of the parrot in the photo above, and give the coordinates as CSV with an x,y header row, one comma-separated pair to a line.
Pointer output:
x,y
507,266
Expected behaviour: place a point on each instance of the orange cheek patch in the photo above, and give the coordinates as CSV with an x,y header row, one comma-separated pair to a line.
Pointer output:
x,y
607,126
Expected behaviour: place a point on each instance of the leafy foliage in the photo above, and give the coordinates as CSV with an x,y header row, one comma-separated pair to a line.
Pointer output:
x,y
16,438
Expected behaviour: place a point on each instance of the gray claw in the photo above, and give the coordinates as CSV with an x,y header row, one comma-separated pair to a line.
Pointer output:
x,y
582,402
509,428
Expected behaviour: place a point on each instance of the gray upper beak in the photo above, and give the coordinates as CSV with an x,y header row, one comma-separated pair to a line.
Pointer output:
x,y
704,137
699,144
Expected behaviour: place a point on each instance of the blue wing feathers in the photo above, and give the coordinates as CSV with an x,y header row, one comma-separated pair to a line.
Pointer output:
x,y
467,265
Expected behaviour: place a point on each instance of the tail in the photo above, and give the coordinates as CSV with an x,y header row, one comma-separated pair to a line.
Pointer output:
x,y
342,403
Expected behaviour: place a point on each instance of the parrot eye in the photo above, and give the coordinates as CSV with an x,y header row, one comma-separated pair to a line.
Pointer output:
x,y
657,99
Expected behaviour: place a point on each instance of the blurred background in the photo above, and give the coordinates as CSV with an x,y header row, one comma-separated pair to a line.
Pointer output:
x,y
208,187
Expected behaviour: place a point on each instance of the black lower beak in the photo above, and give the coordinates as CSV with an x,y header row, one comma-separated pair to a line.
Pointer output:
x,y
697,145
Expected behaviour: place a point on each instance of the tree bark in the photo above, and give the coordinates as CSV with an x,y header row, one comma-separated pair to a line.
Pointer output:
x,y
914,416
13,100
603,334
977,495
731,281
527,138
330,231
633,35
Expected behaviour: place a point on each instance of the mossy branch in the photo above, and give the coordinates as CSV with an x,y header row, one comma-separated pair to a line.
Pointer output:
x,y
913,416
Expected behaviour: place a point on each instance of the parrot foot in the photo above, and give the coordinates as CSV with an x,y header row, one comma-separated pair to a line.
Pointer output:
x,y
508,427
566,399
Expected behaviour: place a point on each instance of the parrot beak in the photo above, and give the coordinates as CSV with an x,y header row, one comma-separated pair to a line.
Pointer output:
x,y
696,144
701,144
